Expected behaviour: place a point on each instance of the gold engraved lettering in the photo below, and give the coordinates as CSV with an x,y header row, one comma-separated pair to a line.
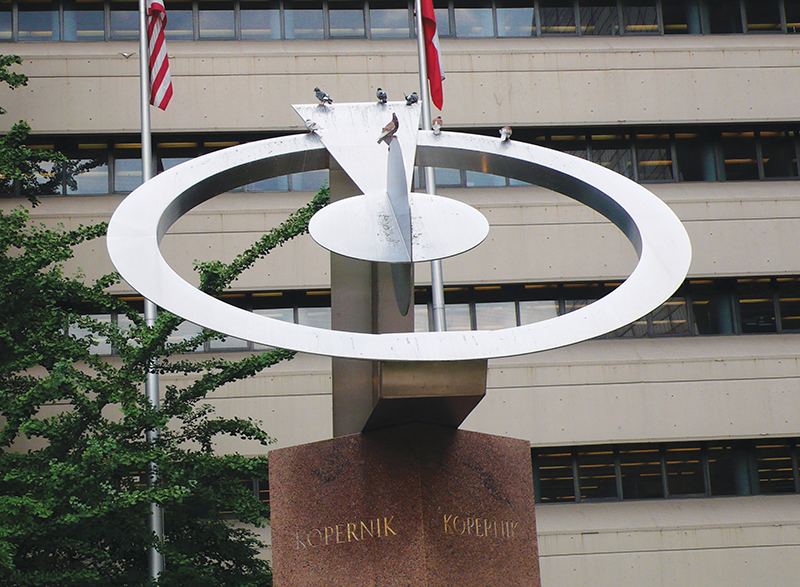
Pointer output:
x,y
308,537
337,534
369,530
447,520
299,543
479,527
463,525
386,528
328,534
351,531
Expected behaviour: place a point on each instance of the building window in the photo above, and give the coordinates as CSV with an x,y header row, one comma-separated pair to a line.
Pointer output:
x,y
261,21
303,19
38,21
346,19
474,19
84,21
514,20
665,471
215,20
557,17
389,20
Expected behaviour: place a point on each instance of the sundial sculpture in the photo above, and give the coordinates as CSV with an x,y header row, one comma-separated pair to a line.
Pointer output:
x,y
406,498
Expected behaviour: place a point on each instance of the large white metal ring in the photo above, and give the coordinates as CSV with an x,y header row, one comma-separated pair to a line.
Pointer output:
x,y
660,240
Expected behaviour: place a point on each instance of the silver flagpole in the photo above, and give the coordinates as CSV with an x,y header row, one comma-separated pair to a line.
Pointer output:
x,y
437,280
156,517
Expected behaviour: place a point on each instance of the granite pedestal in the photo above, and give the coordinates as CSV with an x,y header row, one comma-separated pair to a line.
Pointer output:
x,y
410,506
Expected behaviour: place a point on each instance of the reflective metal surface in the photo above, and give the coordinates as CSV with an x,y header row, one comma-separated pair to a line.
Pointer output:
x,y
655,232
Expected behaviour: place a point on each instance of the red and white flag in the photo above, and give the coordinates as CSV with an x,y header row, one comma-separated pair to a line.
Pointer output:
x,y
433,56
160,79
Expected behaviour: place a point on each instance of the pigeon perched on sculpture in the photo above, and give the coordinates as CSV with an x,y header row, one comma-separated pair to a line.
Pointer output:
x,y
412,99
323,97
388,131
505,133
436,125
381,95
312,126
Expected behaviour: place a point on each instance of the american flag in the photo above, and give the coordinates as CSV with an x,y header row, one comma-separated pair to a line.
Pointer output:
x,y
433,56
160,79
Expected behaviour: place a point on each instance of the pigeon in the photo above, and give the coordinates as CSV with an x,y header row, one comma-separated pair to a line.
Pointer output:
x,y
388,131
312,126
382,97
505,133
436,125
323,97
412,99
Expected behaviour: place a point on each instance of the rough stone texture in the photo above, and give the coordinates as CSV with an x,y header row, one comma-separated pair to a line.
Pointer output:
x,y
414,505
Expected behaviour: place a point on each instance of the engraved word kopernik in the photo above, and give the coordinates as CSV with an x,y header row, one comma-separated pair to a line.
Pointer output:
x,y
345,532
480,527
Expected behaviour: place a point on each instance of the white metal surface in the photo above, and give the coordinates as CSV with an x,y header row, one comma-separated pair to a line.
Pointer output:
x,y
655,232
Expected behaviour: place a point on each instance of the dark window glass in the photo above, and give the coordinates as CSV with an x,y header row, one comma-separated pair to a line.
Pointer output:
x,y
555,476
514,20
681,17
303,19
654,162
599,17
724,16
739,155
696,157
447,177
495,315
756,305
215,20
127,173
38,21
125,19
179,21
789,302
728,469
478,179
346,19
778,155
775,468
388,20
457,317
557,17
442,19
641,472
309,181
5,22
639,17
597,474
635,329
672,317
273,184
83,21
86,176
315,317
711,309
792,16
614,154
763,16
474,18
684,470
260,20
531,311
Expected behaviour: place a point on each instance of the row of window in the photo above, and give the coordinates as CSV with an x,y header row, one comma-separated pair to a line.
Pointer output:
x,y
653,471
102,166
701,307
87,20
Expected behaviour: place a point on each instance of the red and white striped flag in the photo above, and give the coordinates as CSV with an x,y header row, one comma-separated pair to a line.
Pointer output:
x,y
160,79
433,56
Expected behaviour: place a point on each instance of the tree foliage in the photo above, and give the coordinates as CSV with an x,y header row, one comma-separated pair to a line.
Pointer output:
x,y
33,172
73,496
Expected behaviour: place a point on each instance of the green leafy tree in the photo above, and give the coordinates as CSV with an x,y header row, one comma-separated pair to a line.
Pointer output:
x,y
33,172
73,496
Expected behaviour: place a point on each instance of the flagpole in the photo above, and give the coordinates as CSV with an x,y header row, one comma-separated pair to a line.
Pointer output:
x,y
437,279
156,514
